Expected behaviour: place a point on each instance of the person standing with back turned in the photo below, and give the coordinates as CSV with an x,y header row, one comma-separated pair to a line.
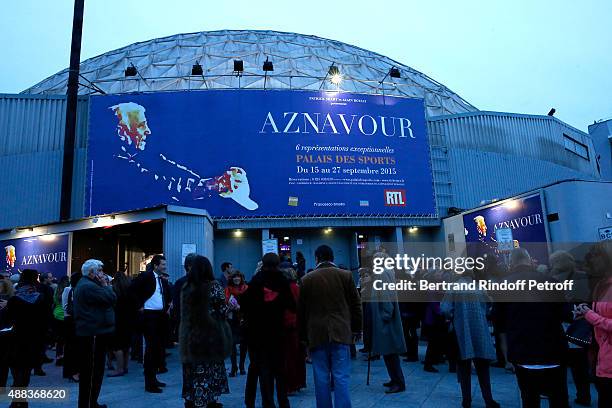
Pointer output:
x,y
329,318
94,318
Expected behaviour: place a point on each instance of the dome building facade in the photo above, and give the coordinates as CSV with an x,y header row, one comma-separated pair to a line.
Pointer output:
x,y
472,157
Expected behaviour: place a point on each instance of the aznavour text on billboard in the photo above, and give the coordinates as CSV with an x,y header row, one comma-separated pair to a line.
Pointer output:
x,y
47,253
522,216
260,153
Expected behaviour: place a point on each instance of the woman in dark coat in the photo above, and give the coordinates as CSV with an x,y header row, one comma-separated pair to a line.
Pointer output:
x,y
236,286
264,305
294,351
125,317
26,312
205,337
387,331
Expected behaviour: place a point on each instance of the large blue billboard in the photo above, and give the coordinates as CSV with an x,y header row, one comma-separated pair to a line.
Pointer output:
x,y
260,153
47,253
523,216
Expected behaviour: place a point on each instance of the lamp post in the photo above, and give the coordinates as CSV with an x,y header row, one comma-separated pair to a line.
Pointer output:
x,y
71,110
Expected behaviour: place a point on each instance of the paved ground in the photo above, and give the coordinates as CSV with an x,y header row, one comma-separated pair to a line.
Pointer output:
x,y
426,390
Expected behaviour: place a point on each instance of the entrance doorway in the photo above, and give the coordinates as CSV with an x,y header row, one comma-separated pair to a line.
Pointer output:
x,y
122,247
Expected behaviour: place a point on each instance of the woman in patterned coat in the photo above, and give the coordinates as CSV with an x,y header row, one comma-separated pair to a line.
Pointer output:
x,y
205,337
467,311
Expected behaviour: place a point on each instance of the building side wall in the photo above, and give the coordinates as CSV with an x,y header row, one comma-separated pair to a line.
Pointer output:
x,y
182,229
601,133
31,154
495,155
483,176
583,208
474,157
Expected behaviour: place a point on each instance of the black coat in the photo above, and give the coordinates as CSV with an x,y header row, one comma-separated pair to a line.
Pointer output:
x,y
176,297
143,287
264,318
27,315
533,325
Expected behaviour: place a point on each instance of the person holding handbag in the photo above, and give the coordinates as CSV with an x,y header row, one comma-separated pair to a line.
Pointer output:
x,y
236,286
579,333
600,317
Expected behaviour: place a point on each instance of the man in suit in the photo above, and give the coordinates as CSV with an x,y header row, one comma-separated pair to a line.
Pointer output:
x,y
537,345
153,295
329,318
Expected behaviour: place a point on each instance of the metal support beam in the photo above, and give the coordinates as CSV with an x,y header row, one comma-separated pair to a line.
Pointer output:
x,y
399,239
71,111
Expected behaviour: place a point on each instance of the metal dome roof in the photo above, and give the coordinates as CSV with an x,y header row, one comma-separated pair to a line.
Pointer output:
x,y
300,62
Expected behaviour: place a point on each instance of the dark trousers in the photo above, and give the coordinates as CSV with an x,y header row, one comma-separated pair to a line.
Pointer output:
x,y
92,351
604,392
136,349
234,356
250,389
394,368
268,365
578,362
153,327
4,370
5,351
411,337
435,344
464,376
71,355
548,381
21,379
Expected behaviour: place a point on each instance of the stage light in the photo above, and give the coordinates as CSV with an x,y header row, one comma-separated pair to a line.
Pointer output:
x,y
286,239
268,66
197,69
394,72
360,236
511,205
48,238
238,66
327,230
335,77
131,71
413,230
238,233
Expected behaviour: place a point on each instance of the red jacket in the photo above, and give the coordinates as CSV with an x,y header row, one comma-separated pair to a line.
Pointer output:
x,y
601,319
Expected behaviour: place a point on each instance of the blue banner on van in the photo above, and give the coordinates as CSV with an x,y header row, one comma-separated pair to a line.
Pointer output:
x,y
523,216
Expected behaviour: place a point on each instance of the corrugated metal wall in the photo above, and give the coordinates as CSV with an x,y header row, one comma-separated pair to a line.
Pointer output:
x,y
31,143
182,229
494,155
474,157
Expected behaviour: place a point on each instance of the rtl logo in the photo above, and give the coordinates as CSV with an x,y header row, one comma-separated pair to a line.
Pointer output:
x,y
395,198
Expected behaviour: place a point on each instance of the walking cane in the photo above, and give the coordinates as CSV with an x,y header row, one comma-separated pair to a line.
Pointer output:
x,y
369,366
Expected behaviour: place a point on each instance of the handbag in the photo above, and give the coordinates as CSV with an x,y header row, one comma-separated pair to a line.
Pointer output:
x,y
580,333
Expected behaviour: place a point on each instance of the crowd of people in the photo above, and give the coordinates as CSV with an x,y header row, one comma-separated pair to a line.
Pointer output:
x,y
286,317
